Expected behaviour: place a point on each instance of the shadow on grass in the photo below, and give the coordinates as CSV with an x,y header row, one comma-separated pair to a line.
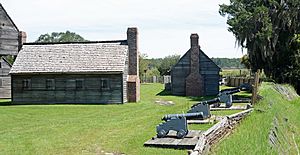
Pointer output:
x,y
9,103
164,93
191,98
242,96
5,103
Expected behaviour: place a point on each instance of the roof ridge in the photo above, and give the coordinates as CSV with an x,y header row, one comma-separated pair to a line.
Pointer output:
x,y
5,60
122,42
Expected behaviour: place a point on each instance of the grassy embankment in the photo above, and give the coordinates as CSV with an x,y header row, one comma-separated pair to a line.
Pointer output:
x,y
252,136
90,129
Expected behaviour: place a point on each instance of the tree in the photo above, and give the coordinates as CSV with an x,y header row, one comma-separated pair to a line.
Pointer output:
x,y
143,64
267,29
167,63
60,37
245,61
228,62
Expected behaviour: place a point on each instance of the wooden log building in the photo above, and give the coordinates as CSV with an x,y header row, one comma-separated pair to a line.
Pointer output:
x,y
77,72
195,74
11,40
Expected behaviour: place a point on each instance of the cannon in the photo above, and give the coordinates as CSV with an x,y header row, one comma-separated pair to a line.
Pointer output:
x,y
242,87
176,122
225,96
203,107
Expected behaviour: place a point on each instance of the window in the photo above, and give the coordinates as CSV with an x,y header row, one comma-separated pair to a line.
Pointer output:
x,y
0,82
50,84
71,84
79,84
0,65
27,84
105,85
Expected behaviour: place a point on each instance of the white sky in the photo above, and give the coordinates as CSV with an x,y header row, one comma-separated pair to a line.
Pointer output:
x,y
164,25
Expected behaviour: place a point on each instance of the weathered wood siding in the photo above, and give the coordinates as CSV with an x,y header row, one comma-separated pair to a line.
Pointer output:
x,y
9,35
208,70
65,90
211,84
5,87
178,74
125,76
5,82
4,68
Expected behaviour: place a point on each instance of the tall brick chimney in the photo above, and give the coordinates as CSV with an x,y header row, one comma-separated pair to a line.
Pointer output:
x,y
133,81
22,39
194,81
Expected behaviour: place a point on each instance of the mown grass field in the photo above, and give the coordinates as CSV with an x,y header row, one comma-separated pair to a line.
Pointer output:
x,y
235,72
252,136
90,129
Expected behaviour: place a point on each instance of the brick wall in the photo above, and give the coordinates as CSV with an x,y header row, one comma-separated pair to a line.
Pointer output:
x,y
194,81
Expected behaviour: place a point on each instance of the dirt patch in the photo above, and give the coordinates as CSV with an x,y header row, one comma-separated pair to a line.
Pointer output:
x,y
163,102
97,150
114,153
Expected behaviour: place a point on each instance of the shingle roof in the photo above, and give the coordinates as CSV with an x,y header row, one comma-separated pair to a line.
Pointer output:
x,y
71,58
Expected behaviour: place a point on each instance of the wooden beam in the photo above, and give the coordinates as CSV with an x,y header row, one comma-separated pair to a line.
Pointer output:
x,y
255,88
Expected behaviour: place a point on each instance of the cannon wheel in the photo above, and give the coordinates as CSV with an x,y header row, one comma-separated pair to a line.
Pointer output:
x,y
181,134
228,105
162,133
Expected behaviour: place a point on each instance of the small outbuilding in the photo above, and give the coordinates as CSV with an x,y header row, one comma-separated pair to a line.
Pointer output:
x,y
77,72
195,74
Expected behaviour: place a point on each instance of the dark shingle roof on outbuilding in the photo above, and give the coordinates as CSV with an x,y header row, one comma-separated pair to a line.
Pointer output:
x,y
87,57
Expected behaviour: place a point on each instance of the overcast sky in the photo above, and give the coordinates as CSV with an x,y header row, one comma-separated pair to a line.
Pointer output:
x,y
164,25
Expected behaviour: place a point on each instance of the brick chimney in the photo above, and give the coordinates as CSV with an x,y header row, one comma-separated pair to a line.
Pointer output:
x,y
22,39
133,81
194,81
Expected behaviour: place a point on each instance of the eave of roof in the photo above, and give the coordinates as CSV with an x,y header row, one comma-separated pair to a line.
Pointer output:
x,y
71,58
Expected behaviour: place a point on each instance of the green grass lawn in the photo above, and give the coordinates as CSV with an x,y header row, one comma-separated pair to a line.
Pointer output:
x,y
252,136
89,129
235,72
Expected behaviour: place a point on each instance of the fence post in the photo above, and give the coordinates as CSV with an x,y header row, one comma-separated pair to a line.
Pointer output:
x,y
255,87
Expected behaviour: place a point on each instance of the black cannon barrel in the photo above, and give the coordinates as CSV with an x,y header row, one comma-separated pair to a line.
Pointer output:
x,y
187,115
246,87
229,89
212,101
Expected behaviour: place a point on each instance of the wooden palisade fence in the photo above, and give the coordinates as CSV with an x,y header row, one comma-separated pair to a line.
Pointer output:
x,y
217,132
255,87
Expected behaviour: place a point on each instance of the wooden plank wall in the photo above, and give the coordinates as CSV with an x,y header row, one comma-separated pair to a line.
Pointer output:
x,y
5,87
125,76
178,74
237,81
65,90
208,70
9,35
5,83
211,74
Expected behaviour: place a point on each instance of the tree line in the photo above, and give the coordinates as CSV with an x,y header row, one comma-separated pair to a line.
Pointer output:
x,y
270,31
